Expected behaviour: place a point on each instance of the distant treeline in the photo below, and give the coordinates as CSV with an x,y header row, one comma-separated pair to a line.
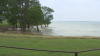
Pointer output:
x,y
25,12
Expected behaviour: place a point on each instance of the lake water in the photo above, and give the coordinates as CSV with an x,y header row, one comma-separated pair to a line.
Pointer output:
x,y
72,29
65,29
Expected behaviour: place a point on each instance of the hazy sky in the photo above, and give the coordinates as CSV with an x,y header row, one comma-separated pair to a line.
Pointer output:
x,y
74,10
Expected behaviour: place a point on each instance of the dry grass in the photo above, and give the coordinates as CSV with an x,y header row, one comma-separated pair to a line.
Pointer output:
x,y
43,36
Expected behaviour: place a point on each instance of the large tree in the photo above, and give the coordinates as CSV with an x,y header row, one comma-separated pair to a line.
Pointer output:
x,y
26,5
36,15
17,10
47,14
25,12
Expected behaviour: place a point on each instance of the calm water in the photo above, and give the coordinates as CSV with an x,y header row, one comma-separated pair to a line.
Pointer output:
x,y
72,29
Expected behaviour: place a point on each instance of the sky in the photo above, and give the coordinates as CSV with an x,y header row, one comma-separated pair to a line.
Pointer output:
x,y
74,10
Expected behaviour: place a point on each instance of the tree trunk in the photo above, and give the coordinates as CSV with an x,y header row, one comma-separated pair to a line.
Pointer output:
x,y
16,25
23,12
21,26
28,26
13,27
37,28
41,25
45,25
24,28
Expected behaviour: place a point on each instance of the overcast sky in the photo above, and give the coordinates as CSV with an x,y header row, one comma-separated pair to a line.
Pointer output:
x,y
74,10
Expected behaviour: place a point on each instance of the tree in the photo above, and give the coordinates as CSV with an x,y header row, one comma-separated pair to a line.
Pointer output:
x,y
3,4
11,14
36,15
48,19
17,11
26,5
25,12
47,14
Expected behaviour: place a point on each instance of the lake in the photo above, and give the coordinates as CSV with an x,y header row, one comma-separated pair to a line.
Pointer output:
x,y
69,28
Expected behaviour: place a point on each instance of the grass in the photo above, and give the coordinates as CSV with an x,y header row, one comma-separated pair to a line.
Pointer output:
x,y
4,24
30,41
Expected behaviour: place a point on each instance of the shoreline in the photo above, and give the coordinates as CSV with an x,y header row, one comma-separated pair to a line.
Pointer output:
x,y
46,37
4,30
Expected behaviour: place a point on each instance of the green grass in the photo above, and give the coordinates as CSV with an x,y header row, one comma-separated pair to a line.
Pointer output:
x,y
4,24
47,44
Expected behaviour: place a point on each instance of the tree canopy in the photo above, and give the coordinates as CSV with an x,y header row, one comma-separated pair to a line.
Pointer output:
x,y
25,12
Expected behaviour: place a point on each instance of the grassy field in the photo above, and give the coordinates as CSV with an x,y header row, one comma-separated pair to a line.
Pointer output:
x,y
30,41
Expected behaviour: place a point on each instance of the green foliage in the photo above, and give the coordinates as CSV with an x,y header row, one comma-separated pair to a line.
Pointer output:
x,y
36,15
48,19
47,14
25,12
3,4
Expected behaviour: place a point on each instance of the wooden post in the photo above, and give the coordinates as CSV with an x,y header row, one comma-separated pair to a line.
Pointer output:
x,y
76,54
